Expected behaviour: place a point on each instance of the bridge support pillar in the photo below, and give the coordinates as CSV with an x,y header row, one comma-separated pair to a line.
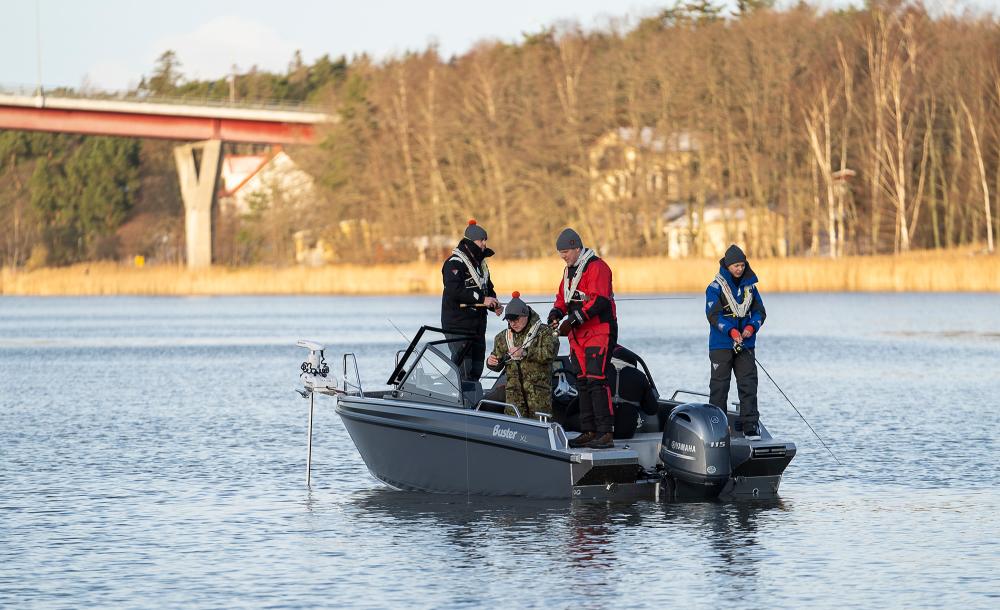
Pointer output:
x,y
198,180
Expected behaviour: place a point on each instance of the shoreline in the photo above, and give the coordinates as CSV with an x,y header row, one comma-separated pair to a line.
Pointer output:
x,y
925,271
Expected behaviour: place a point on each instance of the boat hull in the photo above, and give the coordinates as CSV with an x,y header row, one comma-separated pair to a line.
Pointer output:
x,y
456,451
437,449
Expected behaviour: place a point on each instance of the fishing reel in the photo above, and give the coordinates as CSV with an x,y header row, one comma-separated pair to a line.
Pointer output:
x,y
315,371
507,358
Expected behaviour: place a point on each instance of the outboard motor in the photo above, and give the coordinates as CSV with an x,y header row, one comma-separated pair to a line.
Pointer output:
x,y
695,451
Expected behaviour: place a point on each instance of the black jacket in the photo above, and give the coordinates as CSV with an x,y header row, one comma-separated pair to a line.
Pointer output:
x,y
460,288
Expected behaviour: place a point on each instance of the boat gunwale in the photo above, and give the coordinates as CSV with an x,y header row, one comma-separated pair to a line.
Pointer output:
x,y
550,453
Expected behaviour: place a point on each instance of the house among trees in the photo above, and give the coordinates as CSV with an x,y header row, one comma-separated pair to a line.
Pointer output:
x,y
657,179
266,202
251,183
630,164
720,224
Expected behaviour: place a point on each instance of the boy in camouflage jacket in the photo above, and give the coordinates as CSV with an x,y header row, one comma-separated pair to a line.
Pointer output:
x,y
527,349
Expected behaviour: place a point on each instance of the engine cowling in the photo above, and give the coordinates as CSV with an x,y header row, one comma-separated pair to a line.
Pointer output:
x,y
695,449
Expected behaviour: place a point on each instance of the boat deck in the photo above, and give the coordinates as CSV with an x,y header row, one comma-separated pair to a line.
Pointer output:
x,y
642,449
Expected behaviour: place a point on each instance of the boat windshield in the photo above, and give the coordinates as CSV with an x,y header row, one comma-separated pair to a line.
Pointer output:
x,y
426,368
433,375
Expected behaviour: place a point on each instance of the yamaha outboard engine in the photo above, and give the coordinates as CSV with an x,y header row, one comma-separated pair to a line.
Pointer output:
x,y
695,451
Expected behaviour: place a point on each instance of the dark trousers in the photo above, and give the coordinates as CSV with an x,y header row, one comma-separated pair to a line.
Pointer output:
x,y
725,363
472,361
596,411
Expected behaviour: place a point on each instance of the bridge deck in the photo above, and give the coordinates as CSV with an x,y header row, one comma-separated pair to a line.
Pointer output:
x,y
158,120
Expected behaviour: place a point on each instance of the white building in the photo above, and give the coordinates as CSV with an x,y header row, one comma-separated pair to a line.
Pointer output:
x,y
707,235
254,182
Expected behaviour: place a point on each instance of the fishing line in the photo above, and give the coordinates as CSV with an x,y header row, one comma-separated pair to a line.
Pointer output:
x,y
465,305
445,377
627,299
465,419
793,405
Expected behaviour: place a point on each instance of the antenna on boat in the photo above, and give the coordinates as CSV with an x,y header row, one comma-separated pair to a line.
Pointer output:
x,y
793,406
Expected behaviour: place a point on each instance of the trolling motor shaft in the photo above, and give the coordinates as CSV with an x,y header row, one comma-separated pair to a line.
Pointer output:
x,y
314,376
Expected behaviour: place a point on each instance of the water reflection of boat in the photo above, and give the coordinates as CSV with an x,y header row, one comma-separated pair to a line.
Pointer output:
x,y
431,431
586,534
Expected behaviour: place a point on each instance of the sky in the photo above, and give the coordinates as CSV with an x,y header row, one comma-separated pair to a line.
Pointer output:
x,y
111,44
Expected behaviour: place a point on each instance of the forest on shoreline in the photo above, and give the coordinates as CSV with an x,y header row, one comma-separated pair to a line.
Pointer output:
x,y
852,132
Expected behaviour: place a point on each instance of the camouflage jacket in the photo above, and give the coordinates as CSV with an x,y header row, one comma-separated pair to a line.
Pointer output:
x,y
529,380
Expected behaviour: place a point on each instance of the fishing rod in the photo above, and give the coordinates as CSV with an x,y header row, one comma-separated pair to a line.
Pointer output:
x,y
463,305
738,348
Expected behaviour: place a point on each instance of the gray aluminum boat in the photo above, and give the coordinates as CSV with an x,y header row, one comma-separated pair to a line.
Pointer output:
x,y
432,432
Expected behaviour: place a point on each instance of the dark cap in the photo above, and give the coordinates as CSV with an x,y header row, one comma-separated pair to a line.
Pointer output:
x,y
568,240
733,255
474,231
516,307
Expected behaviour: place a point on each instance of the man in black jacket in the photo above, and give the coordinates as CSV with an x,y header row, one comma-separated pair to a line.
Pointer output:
x,y
468,294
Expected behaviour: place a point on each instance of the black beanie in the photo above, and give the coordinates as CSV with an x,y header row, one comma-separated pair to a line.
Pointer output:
x,y
568,240
474,231
733,255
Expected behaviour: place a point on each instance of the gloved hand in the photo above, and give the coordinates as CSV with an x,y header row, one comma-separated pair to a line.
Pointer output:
x,y
737,340
747,331
555,315
577,317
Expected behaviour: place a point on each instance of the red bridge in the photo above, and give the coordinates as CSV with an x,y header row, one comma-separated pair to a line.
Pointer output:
x,y
205,127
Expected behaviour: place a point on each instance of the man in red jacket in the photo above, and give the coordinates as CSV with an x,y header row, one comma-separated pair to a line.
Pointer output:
x,y
587,298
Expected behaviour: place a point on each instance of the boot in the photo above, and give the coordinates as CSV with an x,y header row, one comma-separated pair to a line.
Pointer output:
x,y
582,440
605,441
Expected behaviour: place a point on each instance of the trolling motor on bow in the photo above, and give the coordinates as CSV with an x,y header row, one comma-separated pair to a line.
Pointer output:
x,y
315,375
315,371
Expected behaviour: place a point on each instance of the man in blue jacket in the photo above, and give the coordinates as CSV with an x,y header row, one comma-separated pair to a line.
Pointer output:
x,y
735,312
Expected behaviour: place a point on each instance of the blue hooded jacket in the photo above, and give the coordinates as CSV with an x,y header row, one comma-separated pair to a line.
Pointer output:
x,y
720,318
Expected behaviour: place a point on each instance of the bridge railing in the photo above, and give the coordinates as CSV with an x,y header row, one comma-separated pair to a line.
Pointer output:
x,y
136,96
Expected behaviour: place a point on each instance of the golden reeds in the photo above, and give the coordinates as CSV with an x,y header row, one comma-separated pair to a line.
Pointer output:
x,y
920,271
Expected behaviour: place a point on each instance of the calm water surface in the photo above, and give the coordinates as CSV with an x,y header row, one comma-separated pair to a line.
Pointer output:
x,y
152,455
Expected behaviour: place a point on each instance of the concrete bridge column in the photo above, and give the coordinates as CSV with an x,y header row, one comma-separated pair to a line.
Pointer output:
x,y
198,182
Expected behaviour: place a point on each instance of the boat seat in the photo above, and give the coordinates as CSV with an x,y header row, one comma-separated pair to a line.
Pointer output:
x,y
472,392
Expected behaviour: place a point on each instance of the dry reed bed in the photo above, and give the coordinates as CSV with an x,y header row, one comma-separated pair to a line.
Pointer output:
x,y
926,271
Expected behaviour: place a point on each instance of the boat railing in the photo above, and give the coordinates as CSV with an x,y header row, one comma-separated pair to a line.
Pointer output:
x,y
356,384
497,403
693,393
557,437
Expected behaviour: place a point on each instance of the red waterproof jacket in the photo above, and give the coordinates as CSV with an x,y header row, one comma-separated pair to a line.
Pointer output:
x,y
594,296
